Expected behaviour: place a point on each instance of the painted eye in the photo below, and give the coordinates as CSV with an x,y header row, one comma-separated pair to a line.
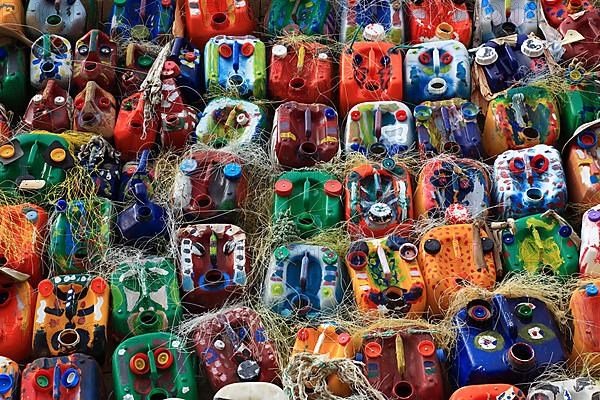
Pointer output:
x,y
105,50
83,49
517,165
479,311
424,58
539,163
163,357
446,58
587,139
104,102
225,50
385,61
139,364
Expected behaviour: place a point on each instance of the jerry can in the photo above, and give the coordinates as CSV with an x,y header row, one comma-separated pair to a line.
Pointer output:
x,y
378,199
236,64
304,135
380,128
133,132
583,307
10,376
521,118
303,280
141,20
233,346
448,126
453,256
488,392
154,365
50,109
95,111
437,71
13,78
12,15
70,377
589,257
496,18
447,180
102,163
71,316
581,164
63,18
310,199
251,391
586,49
581,388
80,233
510,340
309,17
210,185
188,58
16,319
556,11
139,58
402,364
50,59
431,20
301,72
509,62
145,297
95,59
133,172
363,76
32,164
22,234
372,21
385,276
529,181
577,107
233,122
178,120
208,280
142,220
205,20
6,132
540,244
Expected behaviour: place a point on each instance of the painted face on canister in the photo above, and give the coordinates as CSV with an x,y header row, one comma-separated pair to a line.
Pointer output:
x,y
95,111
50,109
9,379
581,155
95,59
50,59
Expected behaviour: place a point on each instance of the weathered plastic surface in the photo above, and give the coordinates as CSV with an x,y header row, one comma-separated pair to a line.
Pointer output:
x,y
326,339
188,59
13,78
586,50
310,17
133,133
437,71
143,220
488,392
95,111
12,15
577,107
80,234
17,299
233,346
145,297
498,18
74,377
507,340
556,11
583,307
452,256
447,180
582,166
230,122
102,163
505,64
403,365
50,109
430,20
381,20
302,72
213,264
250,391
6,132
379,128
589,256
310,199
448,126
10,376
210,185
575,389
71,316
303,280
521,118
205,20
133,172
529,181
236,64
50,59
540,244
34,163
178,119
137,62
363,76
65,18
94,59
378,199
385,276
154,365
141,20
304,134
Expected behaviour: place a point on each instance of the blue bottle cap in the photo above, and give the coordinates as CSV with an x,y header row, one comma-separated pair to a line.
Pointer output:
x,y
61,205
232,171
594,215
591,290
329,113
359,357
70,378
3,53
188,166
6,383
565,231
508,238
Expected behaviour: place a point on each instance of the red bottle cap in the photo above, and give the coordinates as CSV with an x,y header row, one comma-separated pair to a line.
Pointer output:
x,y
373,350
401,115
283,187
344,338
333,188
303,334
426,348
190,56
355,115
